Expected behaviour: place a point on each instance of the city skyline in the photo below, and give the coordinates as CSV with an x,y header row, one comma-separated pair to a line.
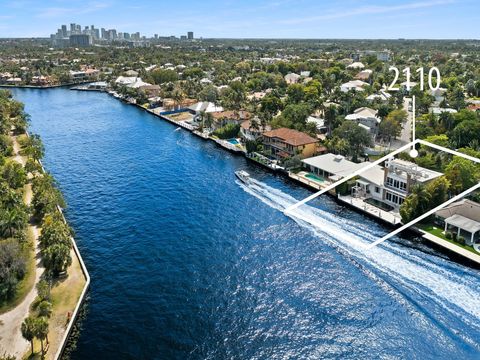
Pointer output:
x,y
435,19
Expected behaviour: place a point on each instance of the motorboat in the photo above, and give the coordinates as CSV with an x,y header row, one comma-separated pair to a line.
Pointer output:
x,y
243,176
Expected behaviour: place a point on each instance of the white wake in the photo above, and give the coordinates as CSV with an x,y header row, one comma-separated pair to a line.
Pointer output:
x,y
412,268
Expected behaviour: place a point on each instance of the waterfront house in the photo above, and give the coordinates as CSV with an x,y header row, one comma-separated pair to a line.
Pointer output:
x,y
354,85
252,129
204,106
392,184
463,217
330,167
284,143
222,118
367,118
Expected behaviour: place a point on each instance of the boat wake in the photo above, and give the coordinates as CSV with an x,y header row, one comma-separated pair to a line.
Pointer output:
x,y
440,280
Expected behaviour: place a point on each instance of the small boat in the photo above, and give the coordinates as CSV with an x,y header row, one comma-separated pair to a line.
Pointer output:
x,y
178,128
243,176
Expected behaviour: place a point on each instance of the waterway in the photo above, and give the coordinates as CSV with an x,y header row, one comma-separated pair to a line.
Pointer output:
x,y
188,263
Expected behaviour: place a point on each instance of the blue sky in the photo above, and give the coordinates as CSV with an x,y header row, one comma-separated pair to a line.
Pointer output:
x,y
269,18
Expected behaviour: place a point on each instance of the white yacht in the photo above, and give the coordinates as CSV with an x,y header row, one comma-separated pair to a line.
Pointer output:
x,y
243,175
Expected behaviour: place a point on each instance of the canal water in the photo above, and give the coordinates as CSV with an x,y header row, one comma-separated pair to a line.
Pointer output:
x,y
188,263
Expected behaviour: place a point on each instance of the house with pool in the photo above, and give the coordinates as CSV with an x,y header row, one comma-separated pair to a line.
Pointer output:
x,y
322,170
392,183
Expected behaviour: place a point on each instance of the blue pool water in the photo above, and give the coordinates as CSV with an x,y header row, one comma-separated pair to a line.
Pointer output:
x,y
233,141
187,263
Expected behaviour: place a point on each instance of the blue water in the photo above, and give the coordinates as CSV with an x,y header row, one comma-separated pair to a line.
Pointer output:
x,y
233,141
187,263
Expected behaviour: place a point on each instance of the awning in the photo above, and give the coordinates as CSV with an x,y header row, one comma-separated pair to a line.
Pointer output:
x,y
463,223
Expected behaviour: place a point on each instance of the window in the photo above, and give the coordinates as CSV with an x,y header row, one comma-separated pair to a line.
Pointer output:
x,y
377,189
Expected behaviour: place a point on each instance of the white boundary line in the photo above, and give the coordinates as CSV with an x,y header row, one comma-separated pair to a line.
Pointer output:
x,y
290,209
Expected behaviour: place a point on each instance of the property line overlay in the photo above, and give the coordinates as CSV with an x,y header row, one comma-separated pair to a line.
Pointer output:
x,y
291,209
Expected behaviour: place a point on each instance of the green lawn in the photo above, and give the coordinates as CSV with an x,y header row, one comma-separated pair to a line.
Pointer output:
x,y
439,233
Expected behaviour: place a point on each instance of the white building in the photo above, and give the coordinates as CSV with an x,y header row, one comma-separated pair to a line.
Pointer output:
x,y
392,184
131,82
463,217
330,167
204,106
381,96
356,65
356,85
292,78
366,118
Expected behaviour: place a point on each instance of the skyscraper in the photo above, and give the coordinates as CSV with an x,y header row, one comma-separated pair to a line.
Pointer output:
x,y
190,35
73,28
64,31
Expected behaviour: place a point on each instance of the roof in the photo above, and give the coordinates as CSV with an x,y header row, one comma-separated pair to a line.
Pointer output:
x,y
363,113
206,106
402,168
356,65
291,137
374,175
333,164
465,207
464,223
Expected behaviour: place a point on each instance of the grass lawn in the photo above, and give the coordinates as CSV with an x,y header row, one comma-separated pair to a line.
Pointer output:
x,y
185,115
439,233
64,296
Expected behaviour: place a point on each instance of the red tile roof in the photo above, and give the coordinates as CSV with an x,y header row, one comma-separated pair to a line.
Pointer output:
x,y
290,136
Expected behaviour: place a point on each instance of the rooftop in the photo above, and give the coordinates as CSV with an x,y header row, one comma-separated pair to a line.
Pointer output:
x,y
291,137
333,164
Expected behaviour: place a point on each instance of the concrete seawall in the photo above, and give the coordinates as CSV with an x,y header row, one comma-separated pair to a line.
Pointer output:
x,y
80,301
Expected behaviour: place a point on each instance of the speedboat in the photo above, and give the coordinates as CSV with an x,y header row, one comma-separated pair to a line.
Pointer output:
x,y
243,176
178,128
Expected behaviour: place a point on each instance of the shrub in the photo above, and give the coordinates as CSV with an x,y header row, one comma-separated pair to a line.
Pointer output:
x,y
448,235
461,240
227,132
454,236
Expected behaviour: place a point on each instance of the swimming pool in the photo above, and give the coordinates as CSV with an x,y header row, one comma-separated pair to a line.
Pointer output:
x,y
315,177
233,141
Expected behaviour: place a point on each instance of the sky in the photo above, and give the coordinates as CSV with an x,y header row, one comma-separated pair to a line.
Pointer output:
x,y
353,19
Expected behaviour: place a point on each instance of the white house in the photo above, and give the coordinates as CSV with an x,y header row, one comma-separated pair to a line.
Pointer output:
x,y
319,123
292,78
330,166
130,81
204,106
367,118
356,85
356,65
382,96
463,217
392,184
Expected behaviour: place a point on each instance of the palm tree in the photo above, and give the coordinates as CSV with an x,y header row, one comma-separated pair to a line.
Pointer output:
x,y
28,330
41,331
12,221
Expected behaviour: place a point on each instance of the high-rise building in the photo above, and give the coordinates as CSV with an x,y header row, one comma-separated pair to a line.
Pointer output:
x,y
81,40
73,28
103,33
190,35
183,37
64,30
96,34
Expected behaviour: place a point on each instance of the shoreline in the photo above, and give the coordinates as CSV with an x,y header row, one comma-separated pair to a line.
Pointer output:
x,y
445,246
437,242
